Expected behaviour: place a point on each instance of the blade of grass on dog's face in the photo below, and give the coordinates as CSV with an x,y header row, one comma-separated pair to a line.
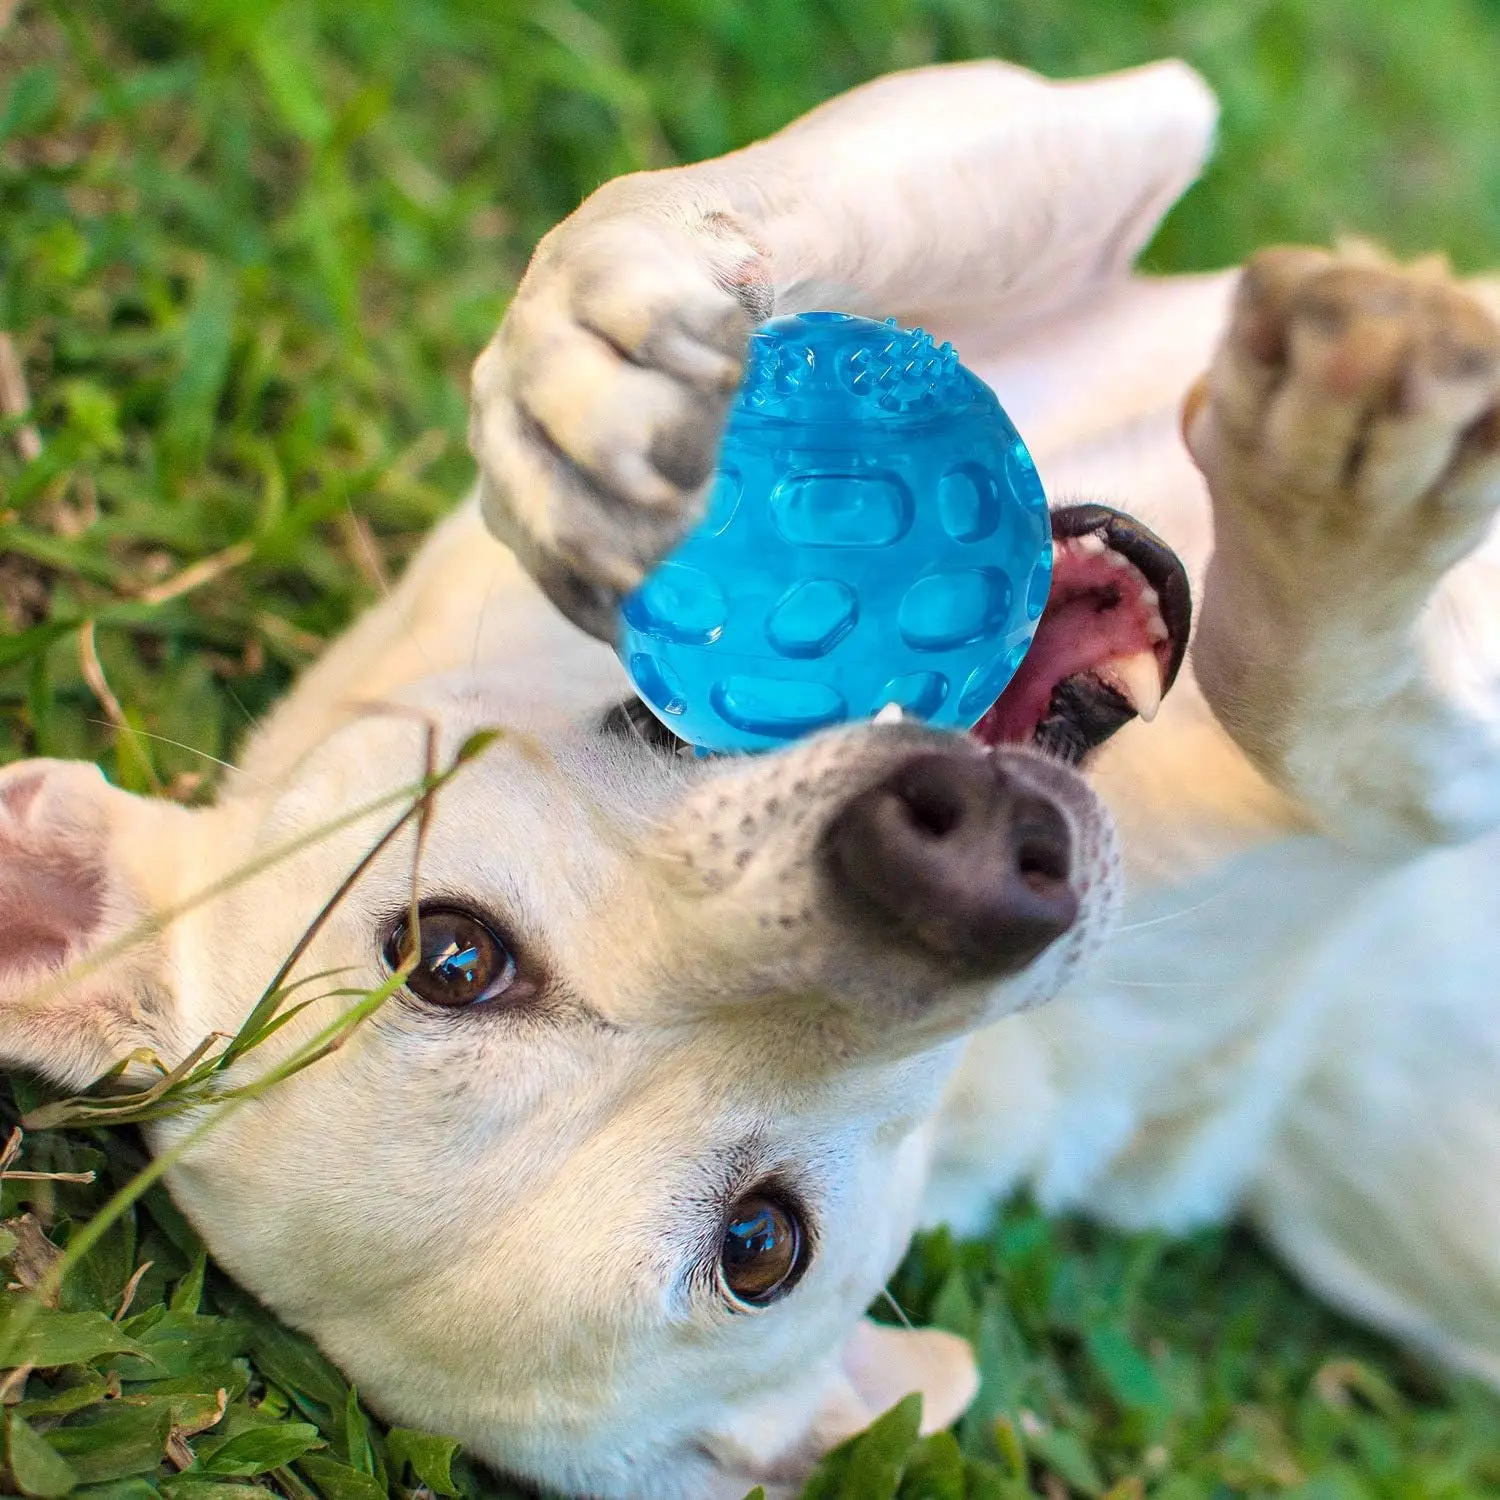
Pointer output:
x,y
321,1045
149,926
24,1313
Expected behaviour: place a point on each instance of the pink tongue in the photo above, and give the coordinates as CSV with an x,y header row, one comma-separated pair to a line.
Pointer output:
x,y
1094,615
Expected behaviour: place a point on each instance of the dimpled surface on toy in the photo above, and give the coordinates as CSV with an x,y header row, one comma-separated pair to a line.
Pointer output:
x,y
876,533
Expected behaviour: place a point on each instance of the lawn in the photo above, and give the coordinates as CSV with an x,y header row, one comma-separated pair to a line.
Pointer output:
x,y
247,253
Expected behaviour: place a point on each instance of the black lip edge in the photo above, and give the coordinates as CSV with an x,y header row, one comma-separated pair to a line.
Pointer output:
x,y
1140,545
1083,714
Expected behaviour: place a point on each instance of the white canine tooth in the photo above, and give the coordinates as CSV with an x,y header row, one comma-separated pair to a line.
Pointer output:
x,y
1090,545
1139,678
1116,559
1150,598
890,714
1156,628
1057,552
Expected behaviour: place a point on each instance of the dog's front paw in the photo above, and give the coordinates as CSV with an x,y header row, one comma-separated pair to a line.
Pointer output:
x,y
1349,429
599,405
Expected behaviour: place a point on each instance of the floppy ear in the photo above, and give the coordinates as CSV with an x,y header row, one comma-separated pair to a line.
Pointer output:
x,y
83,971
779,1441
884,1364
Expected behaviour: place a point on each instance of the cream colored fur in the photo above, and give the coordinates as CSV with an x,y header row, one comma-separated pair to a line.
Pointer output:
x,y
490,1227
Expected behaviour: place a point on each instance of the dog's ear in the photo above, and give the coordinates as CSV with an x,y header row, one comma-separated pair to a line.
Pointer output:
x,y
884,1364
779,1440
84,967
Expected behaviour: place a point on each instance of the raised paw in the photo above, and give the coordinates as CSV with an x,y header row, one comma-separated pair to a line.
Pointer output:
x,y
598,407
1351,418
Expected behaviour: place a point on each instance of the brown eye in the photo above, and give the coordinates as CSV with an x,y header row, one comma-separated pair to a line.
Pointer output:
x,y
761,1257
462,962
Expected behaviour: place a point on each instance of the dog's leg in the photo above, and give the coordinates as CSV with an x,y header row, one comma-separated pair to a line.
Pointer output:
x,y
1349,431
1382,1184
977,190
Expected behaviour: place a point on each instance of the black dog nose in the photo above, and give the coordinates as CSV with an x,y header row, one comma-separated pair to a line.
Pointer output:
x,y
960,858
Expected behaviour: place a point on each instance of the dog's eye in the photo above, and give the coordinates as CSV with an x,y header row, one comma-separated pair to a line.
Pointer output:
x,y
462,961
761,1258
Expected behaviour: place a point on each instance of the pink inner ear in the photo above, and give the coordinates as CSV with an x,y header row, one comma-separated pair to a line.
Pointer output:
x,y
50,900
18,794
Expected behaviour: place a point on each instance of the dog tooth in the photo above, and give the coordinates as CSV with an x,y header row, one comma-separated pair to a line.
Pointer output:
x,y
1156,628
1150,598
890,714
1091,545
1116,559
1139,678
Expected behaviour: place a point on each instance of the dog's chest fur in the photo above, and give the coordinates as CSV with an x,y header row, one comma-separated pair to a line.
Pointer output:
x,y
1151,1094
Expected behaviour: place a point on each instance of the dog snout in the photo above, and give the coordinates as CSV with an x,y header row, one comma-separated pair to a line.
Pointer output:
x,y
955,854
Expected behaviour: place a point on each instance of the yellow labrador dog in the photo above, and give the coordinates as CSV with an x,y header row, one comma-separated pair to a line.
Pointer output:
x,y
691,1047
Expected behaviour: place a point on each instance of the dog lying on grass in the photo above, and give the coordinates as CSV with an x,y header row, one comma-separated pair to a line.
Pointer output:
x,y
686,1050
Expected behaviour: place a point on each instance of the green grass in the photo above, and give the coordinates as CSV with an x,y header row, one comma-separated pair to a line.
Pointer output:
x,y
247,253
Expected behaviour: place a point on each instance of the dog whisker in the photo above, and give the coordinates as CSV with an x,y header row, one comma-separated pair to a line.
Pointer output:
x,y
1160,984
1171,916
235,699
483,609
375,570
163,739
896,1307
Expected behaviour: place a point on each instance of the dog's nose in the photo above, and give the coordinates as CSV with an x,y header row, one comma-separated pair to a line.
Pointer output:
x,y
960,858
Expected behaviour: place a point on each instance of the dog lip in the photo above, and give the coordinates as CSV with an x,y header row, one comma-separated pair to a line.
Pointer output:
x,y
1141,546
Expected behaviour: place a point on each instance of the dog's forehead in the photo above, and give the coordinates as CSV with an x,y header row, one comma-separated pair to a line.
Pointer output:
x,y
540,825
504,762
700,1107
627,1156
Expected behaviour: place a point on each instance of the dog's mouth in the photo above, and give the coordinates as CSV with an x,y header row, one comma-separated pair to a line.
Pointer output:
x,y
1110,641
1107,648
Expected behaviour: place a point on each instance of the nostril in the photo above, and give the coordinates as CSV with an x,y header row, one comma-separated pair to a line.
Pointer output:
x,y
1042,865
936,794
932,811
1043,847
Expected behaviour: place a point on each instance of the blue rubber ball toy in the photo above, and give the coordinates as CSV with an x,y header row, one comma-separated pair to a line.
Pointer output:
x,y
876,533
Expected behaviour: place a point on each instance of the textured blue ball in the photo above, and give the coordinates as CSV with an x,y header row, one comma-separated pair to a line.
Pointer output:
x,y
876,533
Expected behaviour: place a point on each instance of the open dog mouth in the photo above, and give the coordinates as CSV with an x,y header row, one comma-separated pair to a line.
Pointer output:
x,y
1107,648
1109,644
